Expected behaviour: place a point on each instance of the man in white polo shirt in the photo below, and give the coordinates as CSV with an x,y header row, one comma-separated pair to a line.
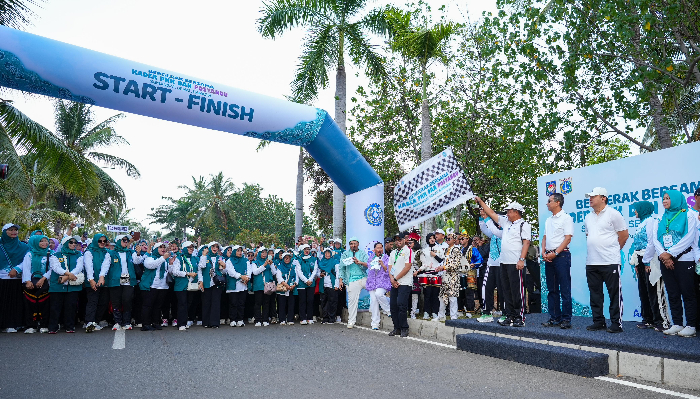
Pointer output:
x,y
558,231
514,245
606,232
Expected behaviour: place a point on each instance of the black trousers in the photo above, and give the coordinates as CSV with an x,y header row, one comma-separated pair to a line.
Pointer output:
x,y
680,286
137,305
194,305
181,297
97,304
513,282
152,306
168,308
273,305
66,303
236,305
36,308
286,308
306,303
535,276
318,307
249,305
492,280
121,298
398,303
647,297
262,307
224,308
211,303
431,299
342,300
329,304
610,275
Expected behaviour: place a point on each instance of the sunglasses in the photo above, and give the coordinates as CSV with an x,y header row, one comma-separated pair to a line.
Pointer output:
x,y
102,241
125,239
72,242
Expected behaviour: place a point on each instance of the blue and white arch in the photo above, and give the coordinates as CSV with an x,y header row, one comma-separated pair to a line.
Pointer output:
x,y
43,66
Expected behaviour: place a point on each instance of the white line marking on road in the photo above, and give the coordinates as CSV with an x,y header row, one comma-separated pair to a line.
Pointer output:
x,y
648,388
412,338
119,339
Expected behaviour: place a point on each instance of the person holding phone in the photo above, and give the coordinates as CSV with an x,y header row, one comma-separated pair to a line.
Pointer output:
x,y
210,264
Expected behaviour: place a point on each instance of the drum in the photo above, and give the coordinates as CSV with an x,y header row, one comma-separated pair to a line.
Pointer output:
x,y
429,279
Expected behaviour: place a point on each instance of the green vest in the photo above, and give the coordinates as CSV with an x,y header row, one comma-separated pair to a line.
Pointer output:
x,y
115,269
181,282
55,285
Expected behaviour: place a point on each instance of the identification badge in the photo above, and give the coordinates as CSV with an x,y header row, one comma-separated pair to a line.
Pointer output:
x,y
668,241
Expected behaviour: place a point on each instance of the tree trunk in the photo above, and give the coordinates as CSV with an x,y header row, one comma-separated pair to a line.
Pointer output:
x,y
663,135
340,107
426,145
299,211
458,217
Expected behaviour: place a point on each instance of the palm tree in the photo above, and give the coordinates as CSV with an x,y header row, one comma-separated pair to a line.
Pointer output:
x,y
75,128
16,13
421,44
335,27
209,203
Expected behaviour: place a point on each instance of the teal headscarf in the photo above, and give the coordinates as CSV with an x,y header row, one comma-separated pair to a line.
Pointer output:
x,y
644,209
119,248
163,266
15,249
38,253
674,220
240,263
98,254
72,255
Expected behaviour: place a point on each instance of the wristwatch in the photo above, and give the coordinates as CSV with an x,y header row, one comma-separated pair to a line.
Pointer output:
x,y
523,259
555,252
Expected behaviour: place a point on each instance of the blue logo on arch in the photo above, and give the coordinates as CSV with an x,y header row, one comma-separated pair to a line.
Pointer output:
x,y
374,215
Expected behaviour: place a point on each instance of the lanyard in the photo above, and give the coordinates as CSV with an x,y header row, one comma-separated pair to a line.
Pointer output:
x,y
668,223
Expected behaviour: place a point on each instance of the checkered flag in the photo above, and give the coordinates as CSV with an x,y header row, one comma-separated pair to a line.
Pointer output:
x,y
429,190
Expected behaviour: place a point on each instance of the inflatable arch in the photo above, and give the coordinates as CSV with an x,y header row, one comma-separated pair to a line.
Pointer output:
x,y
39,65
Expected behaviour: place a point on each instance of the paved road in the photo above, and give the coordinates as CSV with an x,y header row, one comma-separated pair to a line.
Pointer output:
x,y
275,362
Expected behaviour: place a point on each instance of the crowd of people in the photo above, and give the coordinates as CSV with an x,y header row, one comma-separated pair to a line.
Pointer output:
x,y
128,283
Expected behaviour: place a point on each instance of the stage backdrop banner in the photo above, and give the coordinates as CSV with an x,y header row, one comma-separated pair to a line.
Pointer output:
x,y
639,178
430,189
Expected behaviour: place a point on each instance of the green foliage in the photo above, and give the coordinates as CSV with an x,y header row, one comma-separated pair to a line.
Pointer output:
x,y
608,150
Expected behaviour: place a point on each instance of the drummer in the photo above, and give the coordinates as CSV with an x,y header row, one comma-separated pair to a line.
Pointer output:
x,y
431,289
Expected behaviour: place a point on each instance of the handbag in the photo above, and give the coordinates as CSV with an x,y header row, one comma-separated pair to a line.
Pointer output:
x,y
125,279
269,287
80,277
192,286
219,280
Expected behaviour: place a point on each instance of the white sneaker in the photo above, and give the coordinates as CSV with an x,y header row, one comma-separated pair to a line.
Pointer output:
x,y
497,313
222,321
116,327
435,316
413,316
182,328
189,324
97,327
103,324
687,332
673,330
303,322
85,325
265,324
139,325
443,318
311,321
314,319
164,323
240,323
10,330
258,324
351,325
338,319
251,320
199,323
127,327
283,323
233,324
174,323
30,331
426,316
469,315
43,330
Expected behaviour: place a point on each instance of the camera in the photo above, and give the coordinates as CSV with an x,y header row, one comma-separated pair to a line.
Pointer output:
x,y
4,171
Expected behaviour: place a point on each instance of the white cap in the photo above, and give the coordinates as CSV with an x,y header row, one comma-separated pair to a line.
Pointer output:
x,y
66,238
235,248
262,249
597,191
440,231
450,231
211,244
303,247
7,226
187,244
156,245
515,206
118,238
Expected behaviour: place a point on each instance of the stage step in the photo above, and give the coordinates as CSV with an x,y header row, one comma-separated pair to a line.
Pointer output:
x,y
566,360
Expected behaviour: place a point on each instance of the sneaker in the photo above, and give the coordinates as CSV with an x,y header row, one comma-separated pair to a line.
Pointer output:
x,y
351,326
233,324
97,327
139,325
30,331
614,329
43,330
338,319
157,327
90,327
222,321
128,327
413,316
10,330
164,323
404,333
291,323
240,324
116,327
182,328
265,324
314,319
497,313
435,316
85,325
199,323
659,328
394,332
673,330
506,322
468,315
502,318
551,323
303,322
644,326
485,318
251,320
596,327
426,316
565,325
443,318
174,323
518,323
283,323
258,324
189,324
273,320
311,321
375,328
687,332
103,324
53,332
